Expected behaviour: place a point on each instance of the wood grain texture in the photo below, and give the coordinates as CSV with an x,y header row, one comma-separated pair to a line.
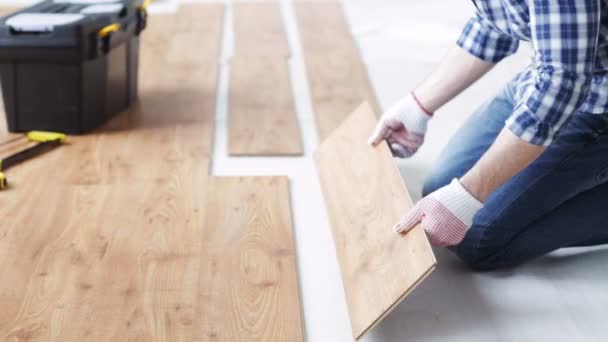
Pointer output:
x,y
338,84
7,10
365,197
262,118
258,29
250,290
337,77
103,263
196,34
142,153
178,77
112,251
323,27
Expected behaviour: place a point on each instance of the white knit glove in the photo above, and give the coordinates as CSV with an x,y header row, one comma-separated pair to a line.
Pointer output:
x,y
445,215
403,126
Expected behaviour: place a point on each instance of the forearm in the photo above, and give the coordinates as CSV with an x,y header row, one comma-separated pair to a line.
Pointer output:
x,y
455,73
504,159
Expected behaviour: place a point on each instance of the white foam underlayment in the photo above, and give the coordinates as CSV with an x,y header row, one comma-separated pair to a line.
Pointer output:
x,y
561,297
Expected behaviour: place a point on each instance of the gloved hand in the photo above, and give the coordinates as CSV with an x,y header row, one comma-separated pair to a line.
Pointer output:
x,y
403,126
445,215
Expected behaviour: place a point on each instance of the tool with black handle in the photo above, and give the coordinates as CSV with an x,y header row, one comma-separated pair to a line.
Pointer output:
x,y
46,141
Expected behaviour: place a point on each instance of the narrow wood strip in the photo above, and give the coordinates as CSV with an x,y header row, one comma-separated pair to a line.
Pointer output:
x,y
179,65
101,263
262,118
338,84
4,10
337,77
365,196
323,27
250,290
258,29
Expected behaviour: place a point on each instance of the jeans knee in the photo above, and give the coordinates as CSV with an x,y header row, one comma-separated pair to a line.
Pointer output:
x,y
481,259
476,263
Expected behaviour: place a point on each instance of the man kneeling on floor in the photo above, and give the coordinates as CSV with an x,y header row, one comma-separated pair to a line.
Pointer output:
x,y
527,173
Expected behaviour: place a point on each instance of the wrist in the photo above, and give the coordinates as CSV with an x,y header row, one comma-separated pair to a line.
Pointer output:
x,y
473,183
411,115
459,201
422,107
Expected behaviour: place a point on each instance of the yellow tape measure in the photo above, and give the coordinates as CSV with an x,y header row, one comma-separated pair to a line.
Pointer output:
x,y
3,183
42,136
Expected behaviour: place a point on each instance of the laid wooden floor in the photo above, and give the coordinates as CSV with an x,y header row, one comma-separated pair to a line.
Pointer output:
x,y
103,263
250,290
121,235
261,115
188,259
262,119
337,77
365,197
194,34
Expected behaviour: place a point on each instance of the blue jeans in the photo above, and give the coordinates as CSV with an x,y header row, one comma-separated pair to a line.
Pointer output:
x,y
560,200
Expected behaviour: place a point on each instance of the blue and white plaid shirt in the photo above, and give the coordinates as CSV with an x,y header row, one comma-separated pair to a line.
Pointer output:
x,y
569,71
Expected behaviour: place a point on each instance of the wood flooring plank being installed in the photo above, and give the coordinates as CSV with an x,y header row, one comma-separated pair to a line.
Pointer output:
x,y
261,114
250,290
365,197
337,77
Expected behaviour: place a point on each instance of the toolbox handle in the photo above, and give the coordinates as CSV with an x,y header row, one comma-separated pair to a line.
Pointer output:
x,y
106,31
105,35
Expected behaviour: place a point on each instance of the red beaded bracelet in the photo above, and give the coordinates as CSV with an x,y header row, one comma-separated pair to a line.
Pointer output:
x,y
426,111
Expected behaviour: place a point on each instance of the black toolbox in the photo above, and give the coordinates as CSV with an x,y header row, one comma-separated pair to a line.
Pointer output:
x,y
69,65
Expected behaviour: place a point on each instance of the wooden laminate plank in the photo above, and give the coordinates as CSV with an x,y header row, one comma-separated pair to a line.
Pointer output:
x,y
262,118
250,290
5,10
258,29
178,77
338,84
323,27
103,263
337,77
144,153
196,33
365,196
